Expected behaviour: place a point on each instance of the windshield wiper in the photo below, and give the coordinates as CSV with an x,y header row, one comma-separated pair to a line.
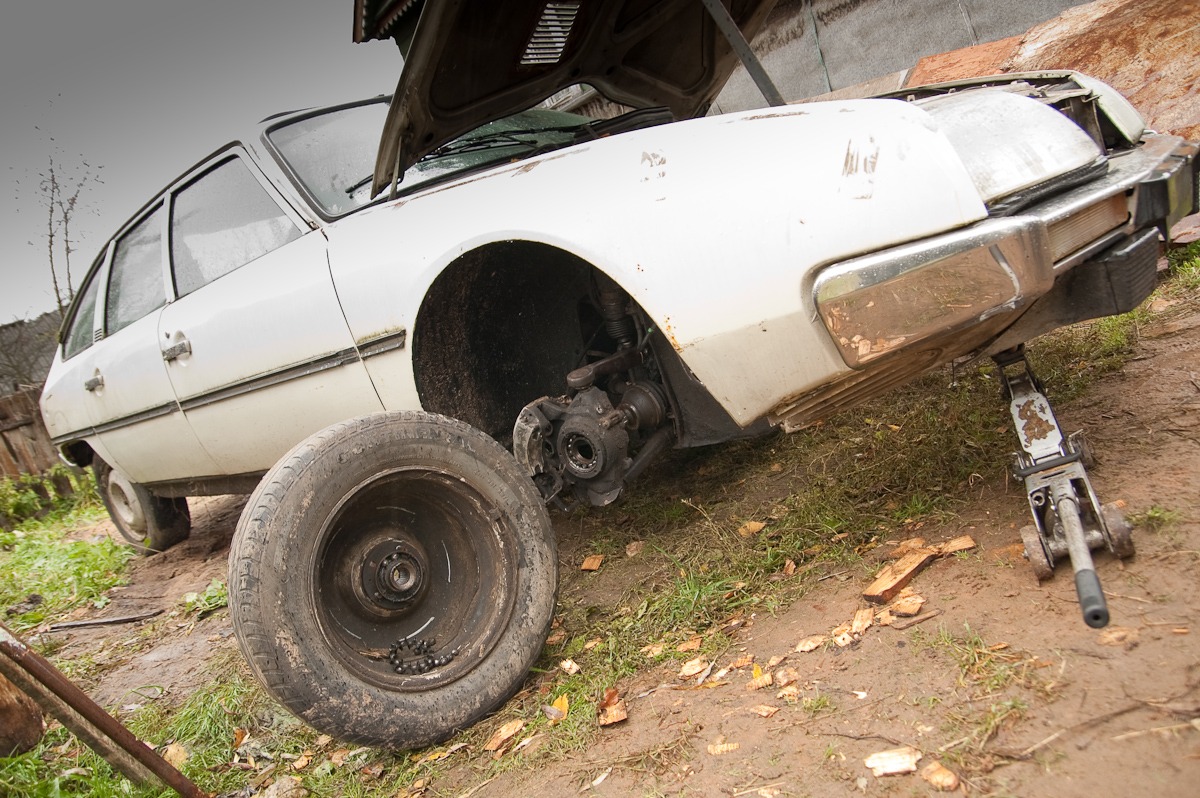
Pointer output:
x,y
492,140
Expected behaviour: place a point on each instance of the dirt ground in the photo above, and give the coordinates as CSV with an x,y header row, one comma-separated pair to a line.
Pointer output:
x,y
1006,687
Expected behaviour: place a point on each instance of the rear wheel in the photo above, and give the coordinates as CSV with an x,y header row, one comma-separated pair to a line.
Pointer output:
x,y
393,578
149,523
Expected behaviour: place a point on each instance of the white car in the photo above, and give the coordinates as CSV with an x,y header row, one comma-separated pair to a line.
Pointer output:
x,y
589,293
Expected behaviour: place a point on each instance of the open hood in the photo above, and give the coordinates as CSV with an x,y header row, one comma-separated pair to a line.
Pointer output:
x,y
469,62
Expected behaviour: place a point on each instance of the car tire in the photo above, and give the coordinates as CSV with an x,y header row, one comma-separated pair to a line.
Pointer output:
x,y
149,523
393,527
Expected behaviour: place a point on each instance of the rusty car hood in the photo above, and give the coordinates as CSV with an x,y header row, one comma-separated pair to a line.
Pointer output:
x,y
469,62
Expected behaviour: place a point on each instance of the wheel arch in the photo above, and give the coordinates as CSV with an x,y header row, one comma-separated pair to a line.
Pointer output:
x,y
501,325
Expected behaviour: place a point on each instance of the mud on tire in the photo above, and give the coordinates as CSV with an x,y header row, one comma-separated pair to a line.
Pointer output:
x,y
396,528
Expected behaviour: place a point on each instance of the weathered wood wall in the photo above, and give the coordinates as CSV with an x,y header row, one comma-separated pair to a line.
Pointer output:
x,y
24,443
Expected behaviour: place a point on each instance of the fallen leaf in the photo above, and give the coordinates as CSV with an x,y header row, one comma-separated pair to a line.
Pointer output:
x,y
764,710
569,666
338,757
744,661
557,637
589,645
238,736
776,468
786,676
791,693
760,681
592,562
610,697
692,667
504,734
893,761
175,754
789,568
751,528
653,650
940,776
302,761
635,548
323,740
690,645
417,788
433,756
773,661
557,711
811,643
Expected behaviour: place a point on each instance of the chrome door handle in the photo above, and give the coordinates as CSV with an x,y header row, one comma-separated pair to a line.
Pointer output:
x,y
184,347
93,383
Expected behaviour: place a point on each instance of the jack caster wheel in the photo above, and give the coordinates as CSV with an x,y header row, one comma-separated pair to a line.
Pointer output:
x,y
1119,531
1035,552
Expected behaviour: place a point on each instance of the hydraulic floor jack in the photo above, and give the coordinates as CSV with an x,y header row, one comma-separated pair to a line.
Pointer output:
x,y
1068,519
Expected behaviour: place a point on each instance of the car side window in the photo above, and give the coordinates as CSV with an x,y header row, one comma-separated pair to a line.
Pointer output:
x,y
221,221
79,334
135,286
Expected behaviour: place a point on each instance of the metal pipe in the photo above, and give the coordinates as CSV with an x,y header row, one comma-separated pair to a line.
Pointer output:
x,y
737,41
58,696
1087,584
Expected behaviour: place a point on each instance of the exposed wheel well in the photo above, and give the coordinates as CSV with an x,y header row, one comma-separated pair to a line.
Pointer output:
x,y
501,327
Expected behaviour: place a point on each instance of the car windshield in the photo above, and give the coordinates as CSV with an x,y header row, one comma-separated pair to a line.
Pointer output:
x,y
333,153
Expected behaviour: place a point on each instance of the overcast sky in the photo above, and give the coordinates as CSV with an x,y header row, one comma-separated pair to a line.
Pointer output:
x,y
143,89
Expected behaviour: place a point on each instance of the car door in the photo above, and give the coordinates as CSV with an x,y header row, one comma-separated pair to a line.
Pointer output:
x,y
68,404
255,343
139,424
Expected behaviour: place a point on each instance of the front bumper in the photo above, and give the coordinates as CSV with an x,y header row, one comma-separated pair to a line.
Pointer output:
x,y
887,301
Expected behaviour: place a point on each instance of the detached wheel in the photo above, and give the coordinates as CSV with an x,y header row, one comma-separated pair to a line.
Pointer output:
x,y
393,579
149,523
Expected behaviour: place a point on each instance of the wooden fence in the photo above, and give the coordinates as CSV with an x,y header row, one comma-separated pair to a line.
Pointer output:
x,y
24,443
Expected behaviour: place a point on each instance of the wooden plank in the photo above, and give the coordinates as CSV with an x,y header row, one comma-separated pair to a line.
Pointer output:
x,y
893,577
922,618
960,543
13,423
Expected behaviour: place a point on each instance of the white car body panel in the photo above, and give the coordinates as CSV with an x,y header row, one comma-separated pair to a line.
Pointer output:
x,y
231,343
135,380
761,268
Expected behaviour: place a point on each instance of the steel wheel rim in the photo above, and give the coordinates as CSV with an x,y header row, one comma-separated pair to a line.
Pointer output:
x,y
123,501
448,590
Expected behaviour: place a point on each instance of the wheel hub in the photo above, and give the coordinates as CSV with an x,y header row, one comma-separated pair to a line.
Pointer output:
x,y
394,573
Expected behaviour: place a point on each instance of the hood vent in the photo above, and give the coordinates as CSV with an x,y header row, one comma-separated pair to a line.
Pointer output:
x,y
549,39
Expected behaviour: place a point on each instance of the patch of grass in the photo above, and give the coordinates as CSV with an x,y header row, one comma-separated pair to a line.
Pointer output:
x,y
817,705
992,668
1184,267
43,562
1155,519
213,598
